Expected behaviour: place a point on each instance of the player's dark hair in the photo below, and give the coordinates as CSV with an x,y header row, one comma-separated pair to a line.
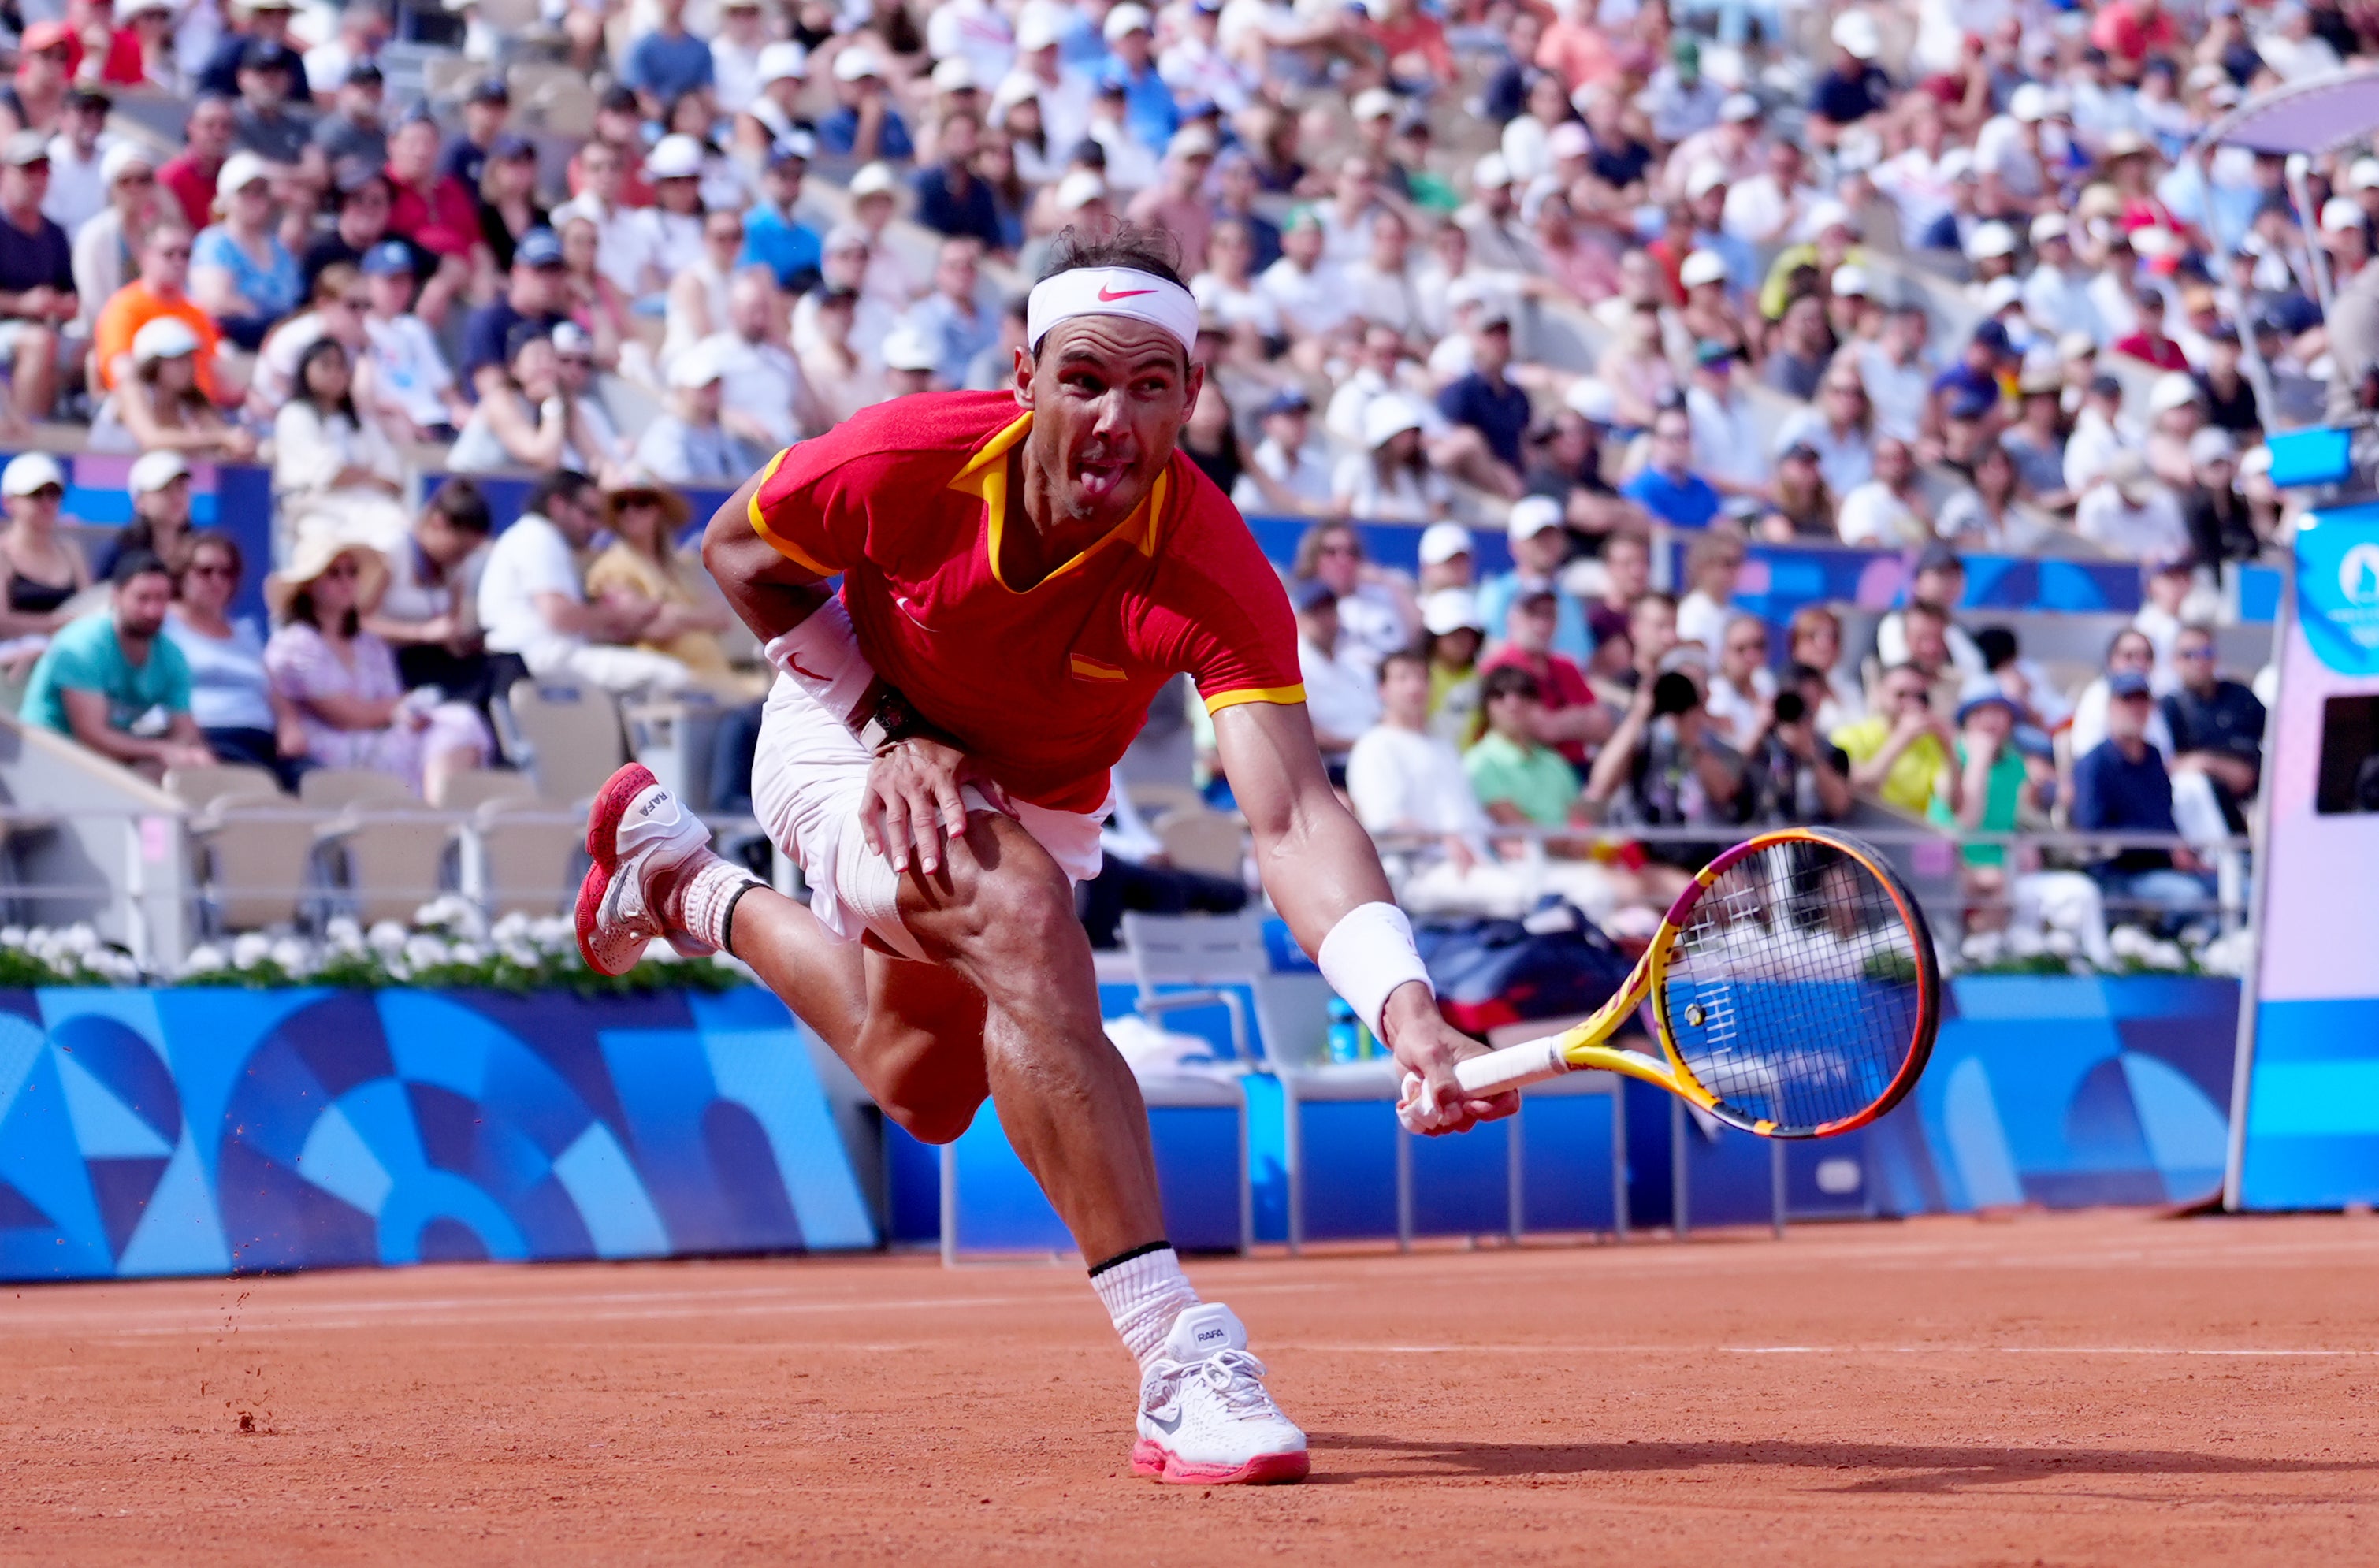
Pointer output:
x,y
1508,681
1137,245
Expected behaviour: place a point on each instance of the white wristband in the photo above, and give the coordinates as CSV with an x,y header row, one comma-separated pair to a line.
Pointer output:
x,y
823,658
1366,955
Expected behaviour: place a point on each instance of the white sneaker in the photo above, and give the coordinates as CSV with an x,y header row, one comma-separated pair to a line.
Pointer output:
x,y
1204,1416
636,830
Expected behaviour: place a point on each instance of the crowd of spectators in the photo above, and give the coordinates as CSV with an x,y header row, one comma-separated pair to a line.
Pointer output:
x,y
1886,274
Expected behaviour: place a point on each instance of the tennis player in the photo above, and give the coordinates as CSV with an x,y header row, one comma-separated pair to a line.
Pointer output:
x,y
1022,569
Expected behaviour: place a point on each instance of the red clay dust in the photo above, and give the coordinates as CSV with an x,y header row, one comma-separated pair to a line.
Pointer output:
x,y
2094,1388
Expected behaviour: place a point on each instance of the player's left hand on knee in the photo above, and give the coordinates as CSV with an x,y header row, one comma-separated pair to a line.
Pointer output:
x,y
913,804
1426,1047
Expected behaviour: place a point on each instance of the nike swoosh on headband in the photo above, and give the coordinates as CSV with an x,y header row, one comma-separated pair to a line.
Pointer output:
x,y
1109,295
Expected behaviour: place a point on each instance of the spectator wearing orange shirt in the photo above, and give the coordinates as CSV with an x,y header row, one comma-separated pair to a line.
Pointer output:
x,y
161,289
1575,49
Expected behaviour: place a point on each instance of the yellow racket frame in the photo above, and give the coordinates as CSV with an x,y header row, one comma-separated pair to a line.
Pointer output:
x,y
1583,1044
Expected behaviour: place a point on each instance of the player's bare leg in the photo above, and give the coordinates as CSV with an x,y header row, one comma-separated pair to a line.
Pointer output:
x,y
1007,1007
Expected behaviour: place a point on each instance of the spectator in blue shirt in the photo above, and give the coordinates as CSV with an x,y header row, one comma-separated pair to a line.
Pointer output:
x,y
1668,488
1484,399
773,236
950,201
864,124
953,317
1149,110
2121,786
1974,379
667,63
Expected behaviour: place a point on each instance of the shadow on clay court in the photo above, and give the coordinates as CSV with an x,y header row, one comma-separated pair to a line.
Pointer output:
x,y
1924,1468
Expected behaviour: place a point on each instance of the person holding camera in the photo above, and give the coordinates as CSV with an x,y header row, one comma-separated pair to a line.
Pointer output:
x,y
1666,766
1899,752
1792,773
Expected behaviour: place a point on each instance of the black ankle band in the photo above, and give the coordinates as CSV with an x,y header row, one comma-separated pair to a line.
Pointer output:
x,y
726,921
1120,1258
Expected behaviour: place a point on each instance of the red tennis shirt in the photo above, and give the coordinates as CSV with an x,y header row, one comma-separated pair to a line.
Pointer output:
x,y
1045,687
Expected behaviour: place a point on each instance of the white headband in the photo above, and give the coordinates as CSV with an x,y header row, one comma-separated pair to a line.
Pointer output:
x,y
1111,291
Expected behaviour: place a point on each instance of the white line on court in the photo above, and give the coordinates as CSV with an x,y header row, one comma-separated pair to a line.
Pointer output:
x,y
1838,1350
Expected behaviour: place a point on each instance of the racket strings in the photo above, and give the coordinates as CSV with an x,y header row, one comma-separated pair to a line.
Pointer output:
x,y
1792,990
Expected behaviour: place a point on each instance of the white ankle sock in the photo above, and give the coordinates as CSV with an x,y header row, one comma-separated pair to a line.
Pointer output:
x,y
1143,1294
703,898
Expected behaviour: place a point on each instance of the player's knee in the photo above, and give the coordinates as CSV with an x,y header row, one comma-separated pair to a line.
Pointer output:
x,y
938,1119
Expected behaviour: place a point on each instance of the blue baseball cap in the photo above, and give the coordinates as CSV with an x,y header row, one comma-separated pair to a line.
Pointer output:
x,y
539,247
389,259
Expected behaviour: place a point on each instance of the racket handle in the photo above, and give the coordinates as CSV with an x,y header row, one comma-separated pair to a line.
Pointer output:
x,y
1514,1067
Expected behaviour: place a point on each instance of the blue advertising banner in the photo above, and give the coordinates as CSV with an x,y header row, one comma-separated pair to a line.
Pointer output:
x,y
2307,1117
212,1132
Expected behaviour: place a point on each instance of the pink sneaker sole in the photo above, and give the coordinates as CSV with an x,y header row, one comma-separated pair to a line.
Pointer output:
x,y
1154,1459
603,848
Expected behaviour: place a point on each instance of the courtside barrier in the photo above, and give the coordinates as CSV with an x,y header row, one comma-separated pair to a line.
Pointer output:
x,y
200,1131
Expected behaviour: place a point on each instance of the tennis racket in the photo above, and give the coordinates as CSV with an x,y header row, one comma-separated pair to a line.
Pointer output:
x,y
1795,994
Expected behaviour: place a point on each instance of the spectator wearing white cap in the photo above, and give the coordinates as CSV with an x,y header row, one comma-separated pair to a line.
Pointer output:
x,y
774,116
159,486
1854,86
1490,219
2057,290
160,404
45,569
1392,478
864,123
1149,110
1539,545
735,53
910,362
874,194
104,248
2175,413
37,284
1297,467
1448,559
2346,236
1062,89
687,446
2012,181
2128,514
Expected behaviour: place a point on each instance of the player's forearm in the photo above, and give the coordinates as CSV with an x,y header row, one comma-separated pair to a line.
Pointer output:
x,y
767,592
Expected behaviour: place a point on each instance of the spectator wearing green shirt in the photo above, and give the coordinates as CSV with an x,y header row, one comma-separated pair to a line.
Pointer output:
x,y
1900,749
112,682
1520,781
1994,782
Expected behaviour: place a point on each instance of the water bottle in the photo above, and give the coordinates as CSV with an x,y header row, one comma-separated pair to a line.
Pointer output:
x,y
1345,1032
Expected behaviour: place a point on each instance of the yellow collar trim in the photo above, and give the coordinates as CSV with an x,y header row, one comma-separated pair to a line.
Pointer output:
x,y
985,477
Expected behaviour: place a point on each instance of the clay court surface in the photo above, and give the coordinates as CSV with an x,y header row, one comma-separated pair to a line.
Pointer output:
x,y
2109,1388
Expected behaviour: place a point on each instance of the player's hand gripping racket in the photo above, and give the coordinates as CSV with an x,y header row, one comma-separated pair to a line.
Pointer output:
x,y
1795,994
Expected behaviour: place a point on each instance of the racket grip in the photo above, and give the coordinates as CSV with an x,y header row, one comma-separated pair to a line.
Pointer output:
x,y
1514,1067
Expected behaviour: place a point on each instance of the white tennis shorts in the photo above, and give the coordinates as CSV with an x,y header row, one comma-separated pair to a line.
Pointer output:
x,y
808,775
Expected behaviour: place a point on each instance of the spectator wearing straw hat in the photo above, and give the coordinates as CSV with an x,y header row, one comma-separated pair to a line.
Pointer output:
x,y
342,679
110,681
644,564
